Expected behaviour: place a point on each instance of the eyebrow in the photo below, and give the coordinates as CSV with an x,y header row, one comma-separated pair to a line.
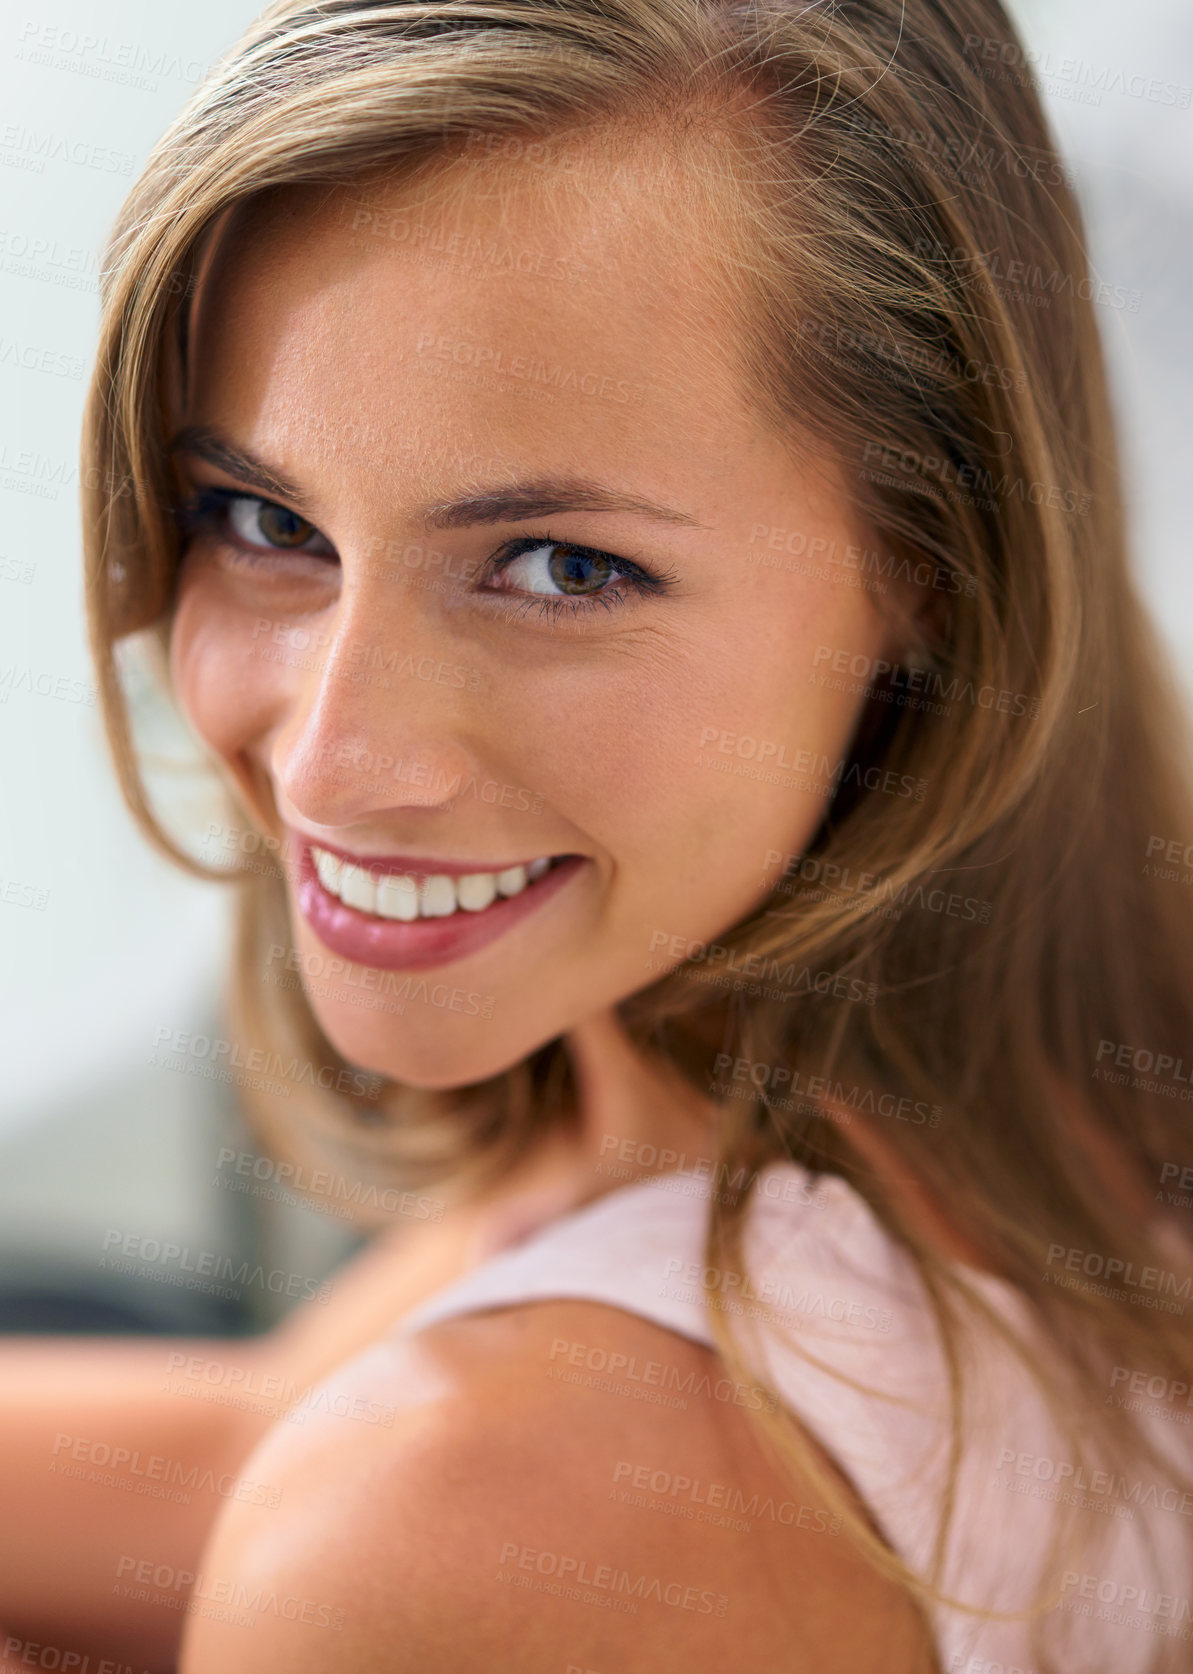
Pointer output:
x,y
539,497
211,445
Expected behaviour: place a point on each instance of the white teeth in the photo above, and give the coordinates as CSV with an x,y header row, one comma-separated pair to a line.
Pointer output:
x,y
357,889
397,896
329,868
437,898
476,891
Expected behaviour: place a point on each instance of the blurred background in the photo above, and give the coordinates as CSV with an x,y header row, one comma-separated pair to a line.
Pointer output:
x,y
108,1144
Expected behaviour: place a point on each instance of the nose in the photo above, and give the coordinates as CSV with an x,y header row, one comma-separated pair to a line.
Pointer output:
x,y
380,718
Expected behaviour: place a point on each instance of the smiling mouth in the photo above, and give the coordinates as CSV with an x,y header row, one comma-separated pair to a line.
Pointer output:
x,y
371,914
406,896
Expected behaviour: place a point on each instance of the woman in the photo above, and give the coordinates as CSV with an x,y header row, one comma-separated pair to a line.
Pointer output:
x,y
659,596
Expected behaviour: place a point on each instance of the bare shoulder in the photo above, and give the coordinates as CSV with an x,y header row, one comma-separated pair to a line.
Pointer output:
x,y
563,1477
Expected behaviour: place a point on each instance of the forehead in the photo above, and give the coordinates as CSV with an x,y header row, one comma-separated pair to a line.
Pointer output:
x,y
567,302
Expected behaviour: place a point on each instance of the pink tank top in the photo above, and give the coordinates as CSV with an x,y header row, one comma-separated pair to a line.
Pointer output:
x,y
842,1287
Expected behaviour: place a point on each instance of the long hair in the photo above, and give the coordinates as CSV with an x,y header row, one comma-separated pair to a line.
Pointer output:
x,y
912,288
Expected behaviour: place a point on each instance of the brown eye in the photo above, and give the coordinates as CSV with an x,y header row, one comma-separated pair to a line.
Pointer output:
x,y
555,568
266,526
283,528
575,569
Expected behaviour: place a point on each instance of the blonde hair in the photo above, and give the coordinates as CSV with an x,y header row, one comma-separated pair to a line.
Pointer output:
x,y
885,181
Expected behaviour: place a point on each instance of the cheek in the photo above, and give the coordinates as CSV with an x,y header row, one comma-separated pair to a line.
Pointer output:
x,y
721,750
686,766
229,692
778,705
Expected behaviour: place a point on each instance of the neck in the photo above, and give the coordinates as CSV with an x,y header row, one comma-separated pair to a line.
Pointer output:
x,y
636,1114
632,1107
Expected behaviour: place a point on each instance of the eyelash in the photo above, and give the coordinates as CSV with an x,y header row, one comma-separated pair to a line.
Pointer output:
x,y
207,510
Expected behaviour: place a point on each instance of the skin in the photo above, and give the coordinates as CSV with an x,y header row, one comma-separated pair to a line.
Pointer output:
x,y
415,1534
312,347
309,348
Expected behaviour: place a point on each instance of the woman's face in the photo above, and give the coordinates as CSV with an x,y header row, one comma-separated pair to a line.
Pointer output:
x,y
493,592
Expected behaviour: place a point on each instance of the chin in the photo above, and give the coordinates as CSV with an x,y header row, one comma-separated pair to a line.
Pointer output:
x,y
422,1046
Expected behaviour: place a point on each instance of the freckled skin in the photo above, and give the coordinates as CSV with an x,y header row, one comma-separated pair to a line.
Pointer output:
x,y
314,346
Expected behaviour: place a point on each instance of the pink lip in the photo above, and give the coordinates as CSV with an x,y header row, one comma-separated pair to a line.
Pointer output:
x,y
390,944
411,865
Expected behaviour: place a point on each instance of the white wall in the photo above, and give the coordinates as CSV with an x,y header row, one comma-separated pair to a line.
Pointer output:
x,y
122,943
1116,77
